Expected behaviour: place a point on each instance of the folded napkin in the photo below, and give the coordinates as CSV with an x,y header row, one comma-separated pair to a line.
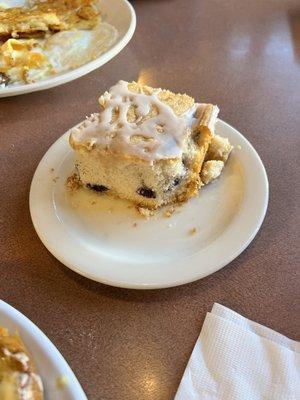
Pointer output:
x,y
237,359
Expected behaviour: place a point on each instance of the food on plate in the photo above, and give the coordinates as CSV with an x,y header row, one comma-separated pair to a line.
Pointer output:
x,y
19,59
18,377
46,17
215,159
147,145
72,14
23,22
50,37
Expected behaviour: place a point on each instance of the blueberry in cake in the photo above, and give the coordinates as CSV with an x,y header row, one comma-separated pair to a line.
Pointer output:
x,y
147,145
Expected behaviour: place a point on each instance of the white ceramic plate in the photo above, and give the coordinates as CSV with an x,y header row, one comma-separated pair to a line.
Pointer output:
x,y
49,362
96,237
118,13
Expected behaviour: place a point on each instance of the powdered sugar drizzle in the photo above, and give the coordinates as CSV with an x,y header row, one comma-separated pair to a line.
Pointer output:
x,y
159,137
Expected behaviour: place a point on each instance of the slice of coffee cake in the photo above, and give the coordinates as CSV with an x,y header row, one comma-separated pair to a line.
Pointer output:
x,y
145,145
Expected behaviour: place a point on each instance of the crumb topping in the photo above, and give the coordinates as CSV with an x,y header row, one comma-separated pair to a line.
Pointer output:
x,y
73,182
145,212
169,212
139,121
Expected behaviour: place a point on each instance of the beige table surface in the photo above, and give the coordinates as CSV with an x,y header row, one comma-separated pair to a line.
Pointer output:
x,y
126,344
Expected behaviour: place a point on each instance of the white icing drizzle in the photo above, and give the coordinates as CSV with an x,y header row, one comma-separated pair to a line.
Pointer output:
x,y
142,139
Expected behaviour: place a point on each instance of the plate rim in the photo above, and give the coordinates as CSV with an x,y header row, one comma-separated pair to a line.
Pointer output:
x,y
71,75
38,336
155,285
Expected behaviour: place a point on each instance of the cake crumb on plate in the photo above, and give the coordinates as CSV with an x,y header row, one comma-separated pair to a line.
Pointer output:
x,y
62,381
169,212
192,231
145,212
73,182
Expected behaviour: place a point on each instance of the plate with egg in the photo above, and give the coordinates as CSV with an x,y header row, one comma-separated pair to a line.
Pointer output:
x,y
31,367
46,43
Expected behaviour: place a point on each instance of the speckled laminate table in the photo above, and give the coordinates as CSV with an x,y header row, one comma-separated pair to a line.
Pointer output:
x,y
132,345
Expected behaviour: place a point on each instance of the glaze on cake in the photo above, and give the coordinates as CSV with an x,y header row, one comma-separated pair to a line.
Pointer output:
x,y
146,145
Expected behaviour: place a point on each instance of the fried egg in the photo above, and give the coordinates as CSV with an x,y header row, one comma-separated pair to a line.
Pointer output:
x,y
69,49
31,60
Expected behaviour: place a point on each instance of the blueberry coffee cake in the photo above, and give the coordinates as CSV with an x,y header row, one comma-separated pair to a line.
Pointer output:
x,y
148,145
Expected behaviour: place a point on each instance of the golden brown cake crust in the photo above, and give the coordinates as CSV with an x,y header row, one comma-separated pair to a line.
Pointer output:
x,y
180,103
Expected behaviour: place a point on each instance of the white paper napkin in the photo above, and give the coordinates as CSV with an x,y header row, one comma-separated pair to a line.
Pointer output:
x,y
238,359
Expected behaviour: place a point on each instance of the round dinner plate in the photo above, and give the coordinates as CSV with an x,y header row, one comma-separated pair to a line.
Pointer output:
x,y
118,13
108,241
49,362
